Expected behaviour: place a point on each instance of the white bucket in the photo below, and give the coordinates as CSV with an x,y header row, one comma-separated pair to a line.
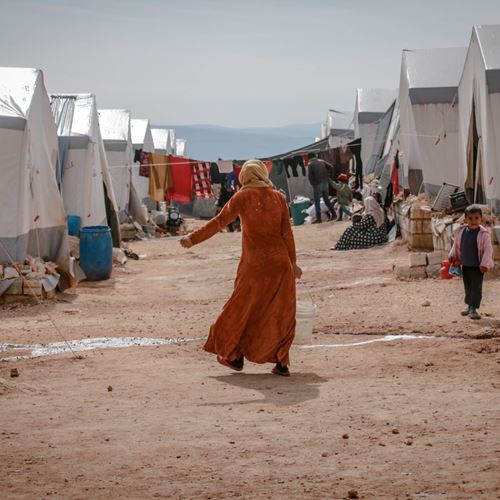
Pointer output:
x,y
306,312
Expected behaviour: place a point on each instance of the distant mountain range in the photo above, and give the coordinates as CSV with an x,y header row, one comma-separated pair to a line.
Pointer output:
x,y
210,142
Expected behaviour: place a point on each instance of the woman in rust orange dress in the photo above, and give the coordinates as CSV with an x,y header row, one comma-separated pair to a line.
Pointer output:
x,y
258,321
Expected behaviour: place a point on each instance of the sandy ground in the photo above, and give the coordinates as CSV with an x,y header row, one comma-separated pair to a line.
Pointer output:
x,y
401,419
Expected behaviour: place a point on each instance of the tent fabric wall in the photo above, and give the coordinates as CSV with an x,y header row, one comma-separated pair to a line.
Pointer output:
x,y
428,98
371,105
32,219
115,130
479,89
85,170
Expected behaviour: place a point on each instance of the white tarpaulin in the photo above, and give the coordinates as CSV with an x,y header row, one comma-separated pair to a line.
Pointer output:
x,y
85,171
371,105
164,140
428,100
32,217
479,118
115,131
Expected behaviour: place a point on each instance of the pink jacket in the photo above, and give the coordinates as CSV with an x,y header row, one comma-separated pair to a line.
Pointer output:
x,y
484,246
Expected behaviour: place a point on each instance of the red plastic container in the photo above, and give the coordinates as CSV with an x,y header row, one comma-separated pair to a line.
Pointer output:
x,y
445,270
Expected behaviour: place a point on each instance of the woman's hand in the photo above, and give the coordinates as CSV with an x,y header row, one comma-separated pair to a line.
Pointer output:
x,y
298,272
186,242
483,269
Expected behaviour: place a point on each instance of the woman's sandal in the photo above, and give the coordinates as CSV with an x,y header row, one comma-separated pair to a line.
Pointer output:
x,y
281,370
236,365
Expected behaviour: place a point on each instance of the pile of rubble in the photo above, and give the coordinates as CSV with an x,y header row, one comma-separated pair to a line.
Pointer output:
x,y
421,265
32,278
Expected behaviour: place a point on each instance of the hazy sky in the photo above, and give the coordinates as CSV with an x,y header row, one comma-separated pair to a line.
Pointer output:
x,y
229,62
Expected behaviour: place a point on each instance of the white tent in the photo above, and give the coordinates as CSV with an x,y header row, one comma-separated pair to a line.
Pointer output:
x,y
164,140
32,217
338,127
181,147
86,181
371,105
115,131
142,139
479,117
428,95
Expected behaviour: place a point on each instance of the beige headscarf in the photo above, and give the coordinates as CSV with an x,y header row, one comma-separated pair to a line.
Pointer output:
x,y
375,210
254,175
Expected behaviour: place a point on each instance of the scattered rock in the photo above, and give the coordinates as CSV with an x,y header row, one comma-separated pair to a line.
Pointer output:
x,y
408,442
345,436
426,303
395,431
324,454
14,372
110,388
352,494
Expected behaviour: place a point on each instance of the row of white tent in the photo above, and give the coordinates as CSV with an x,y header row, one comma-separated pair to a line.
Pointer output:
x,y
59,156
444,120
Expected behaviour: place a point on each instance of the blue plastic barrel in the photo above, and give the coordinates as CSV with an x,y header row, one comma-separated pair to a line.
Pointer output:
x,y
298,214
74,222
96,252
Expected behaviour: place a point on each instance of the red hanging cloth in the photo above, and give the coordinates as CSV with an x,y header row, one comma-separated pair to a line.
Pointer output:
x,y
182,179
395,175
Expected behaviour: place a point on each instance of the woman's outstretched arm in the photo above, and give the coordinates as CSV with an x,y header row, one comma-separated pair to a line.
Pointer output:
x,y
227,215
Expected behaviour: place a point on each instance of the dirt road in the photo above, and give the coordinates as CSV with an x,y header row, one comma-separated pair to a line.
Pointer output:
x,y
415,418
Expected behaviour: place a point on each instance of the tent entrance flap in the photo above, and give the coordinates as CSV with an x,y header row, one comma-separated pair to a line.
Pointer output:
x,y
474,182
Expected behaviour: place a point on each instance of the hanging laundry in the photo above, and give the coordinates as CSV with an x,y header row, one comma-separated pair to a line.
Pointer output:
x,y
294,166
215,176
355,147
344,155
182,179
237,166
145,160
269,165
201,181
225,166
395,175
160,178
278,177
298,182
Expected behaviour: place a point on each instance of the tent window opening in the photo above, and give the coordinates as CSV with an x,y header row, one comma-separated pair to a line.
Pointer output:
x,y
474,182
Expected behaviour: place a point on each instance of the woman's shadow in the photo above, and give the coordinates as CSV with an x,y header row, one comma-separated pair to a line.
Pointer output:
x,y
276,390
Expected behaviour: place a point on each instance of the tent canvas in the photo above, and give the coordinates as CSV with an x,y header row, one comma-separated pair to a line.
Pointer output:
x,y
142,139
115,130
32,219
164,140
85,173
479,118
371,105
429,116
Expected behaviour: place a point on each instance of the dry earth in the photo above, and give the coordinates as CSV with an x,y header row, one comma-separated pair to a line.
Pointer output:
x,y
401,419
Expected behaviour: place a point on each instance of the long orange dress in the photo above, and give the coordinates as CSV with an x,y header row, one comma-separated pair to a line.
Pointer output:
x,y
258,321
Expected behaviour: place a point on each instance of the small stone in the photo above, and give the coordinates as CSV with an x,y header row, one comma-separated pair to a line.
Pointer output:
x,y
352,494
409,442
14,372
395,431
324,454
345,436
426,303
110,388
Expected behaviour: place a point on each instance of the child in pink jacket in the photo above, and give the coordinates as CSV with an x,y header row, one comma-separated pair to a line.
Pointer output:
x,y
474,251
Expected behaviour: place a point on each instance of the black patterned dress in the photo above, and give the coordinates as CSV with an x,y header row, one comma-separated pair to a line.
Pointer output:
x,y
362,234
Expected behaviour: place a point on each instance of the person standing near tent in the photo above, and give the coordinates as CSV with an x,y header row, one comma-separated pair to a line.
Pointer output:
x,y
318,172
258,321
473,250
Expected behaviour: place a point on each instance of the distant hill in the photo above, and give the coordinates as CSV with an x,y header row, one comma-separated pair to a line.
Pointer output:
x,y
210,142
